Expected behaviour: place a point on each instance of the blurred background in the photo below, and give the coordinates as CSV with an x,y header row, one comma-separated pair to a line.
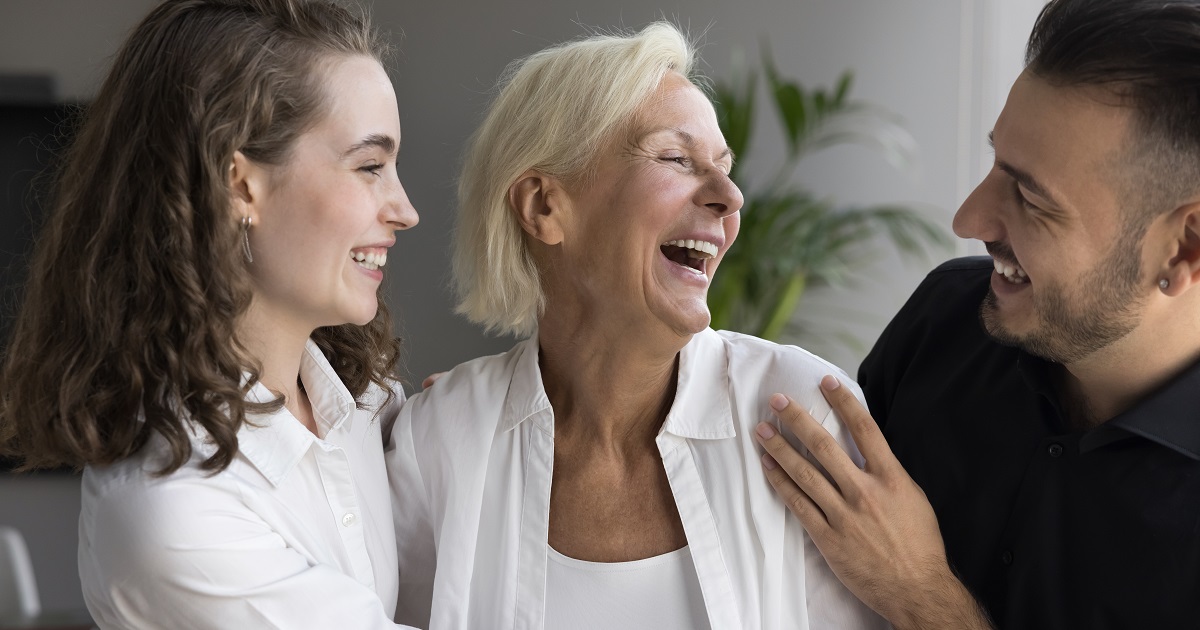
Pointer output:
x,y
941,70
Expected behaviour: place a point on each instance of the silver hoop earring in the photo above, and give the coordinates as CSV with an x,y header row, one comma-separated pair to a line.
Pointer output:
x,y
247,223
1163,284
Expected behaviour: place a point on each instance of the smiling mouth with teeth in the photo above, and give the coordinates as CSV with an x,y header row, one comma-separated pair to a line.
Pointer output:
x,y
689,253
1011,273
370,260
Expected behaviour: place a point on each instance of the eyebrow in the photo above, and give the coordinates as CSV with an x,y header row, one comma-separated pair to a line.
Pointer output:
x,y
690,141
1024,178
372,141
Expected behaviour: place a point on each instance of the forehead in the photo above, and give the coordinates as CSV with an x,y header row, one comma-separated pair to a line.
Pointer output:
x,y
678,106
1072,139
359,101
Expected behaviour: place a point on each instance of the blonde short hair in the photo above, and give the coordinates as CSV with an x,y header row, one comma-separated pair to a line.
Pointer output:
x,y
554,112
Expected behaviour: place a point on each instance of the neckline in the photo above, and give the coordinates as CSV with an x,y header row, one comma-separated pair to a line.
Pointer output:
x,y
628,565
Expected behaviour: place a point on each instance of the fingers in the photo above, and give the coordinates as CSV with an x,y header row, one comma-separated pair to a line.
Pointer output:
x,y
784,464
800,504
824,448
862,426
431,379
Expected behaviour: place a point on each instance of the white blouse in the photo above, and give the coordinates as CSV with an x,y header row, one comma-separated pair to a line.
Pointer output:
x,y
295,533
471,463
659,593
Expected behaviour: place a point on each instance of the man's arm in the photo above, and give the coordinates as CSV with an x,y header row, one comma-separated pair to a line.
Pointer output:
x,y
873,525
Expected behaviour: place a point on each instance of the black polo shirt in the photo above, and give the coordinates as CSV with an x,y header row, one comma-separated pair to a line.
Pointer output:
x,y
1050,527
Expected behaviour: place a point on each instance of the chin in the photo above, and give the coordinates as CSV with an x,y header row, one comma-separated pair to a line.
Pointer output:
x,y
691,323
363,317
681,316
1001,326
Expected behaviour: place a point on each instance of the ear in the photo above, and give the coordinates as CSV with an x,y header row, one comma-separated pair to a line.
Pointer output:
x,y
1183,268
537,200
247,186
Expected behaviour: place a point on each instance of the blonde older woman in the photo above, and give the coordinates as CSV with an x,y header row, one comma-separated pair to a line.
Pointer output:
x,y
602,473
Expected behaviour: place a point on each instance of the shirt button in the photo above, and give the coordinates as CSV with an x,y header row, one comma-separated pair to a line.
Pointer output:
x,y
349,519
1055,450
1006,557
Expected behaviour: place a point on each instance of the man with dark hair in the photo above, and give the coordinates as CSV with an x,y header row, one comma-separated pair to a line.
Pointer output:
x,y
1046,401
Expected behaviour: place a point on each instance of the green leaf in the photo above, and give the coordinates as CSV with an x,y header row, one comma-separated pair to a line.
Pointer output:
x,y
734,105
785,305
843,87
790,239
789,104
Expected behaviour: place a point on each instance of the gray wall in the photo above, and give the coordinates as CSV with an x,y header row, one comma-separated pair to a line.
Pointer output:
x,y
45,509
922,59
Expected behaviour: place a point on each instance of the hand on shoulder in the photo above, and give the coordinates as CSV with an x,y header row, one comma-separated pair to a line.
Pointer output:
x,y
873,524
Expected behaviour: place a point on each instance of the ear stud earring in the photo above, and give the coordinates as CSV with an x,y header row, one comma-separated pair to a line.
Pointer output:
x,y
1163,284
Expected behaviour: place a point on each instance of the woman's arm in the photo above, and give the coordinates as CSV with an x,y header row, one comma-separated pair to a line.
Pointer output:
x,y
416,549
172,553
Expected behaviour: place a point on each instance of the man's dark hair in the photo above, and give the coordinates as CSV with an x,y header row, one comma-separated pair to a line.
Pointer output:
x,y
1147,54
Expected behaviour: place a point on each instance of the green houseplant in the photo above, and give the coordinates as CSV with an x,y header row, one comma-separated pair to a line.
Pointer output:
x,y
790,239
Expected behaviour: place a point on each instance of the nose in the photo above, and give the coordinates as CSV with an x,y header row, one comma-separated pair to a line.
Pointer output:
x,y
979,216
720,194
399,211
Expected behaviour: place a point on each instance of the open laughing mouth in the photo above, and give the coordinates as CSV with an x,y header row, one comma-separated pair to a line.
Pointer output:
x,y
369,258
1013,273
690,254
1001,255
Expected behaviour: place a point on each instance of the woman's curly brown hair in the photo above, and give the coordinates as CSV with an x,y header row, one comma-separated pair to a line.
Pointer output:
x,y
127,327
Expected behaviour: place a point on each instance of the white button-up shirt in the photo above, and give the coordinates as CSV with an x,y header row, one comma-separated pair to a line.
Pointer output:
x,y
295,533
471,462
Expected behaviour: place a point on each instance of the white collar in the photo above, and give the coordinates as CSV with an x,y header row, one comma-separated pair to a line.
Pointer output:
x,y
701,409
275,442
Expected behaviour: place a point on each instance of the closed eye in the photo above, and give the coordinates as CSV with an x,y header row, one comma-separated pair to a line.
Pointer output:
x,y
373,169
1025,203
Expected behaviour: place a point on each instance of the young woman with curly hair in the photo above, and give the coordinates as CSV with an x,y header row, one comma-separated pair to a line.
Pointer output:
x,y
202,331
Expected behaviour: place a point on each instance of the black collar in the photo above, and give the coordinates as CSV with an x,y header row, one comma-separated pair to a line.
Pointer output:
x,y
1170,416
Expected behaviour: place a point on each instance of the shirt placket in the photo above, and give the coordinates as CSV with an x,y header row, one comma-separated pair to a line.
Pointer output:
x,y
700,527
530,609
343,502
1045,470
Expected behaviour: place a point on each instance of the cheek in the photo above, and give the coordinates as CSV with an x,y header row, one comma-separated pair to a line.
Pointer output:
x,y
733,225
658,187
1042,247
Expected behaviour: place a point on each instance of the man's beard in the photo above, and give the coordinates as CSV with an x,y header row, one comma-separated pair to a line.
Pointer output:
x,y
1072,324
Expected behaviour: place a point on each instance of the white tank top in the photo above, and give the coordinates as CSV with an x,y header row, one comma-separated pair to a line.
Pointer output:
x,y
659,593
